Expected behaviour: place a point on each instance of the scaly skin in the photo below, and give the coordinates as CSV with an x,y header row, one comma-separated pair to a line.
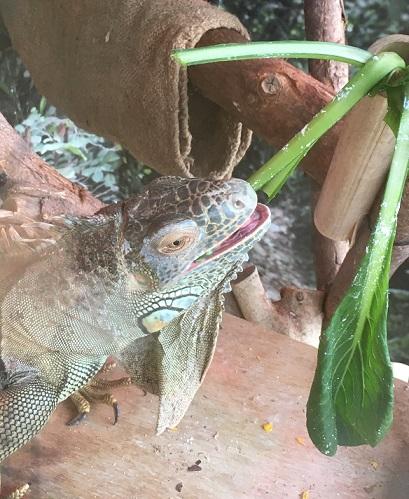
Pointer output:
x,y
125,282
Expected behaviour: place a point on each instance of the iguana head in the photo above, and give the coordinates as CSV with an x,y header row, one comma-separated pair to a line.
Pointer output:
x,y
184,237
144,261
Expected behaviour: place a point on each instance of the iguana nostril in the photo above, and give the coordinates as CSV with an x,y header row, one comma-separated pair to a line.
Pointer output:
x,y
242,195
238,204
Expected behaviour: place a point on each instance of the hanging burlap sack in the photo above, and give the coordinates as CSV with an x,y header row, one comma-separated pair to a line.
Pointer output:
x,y
107,65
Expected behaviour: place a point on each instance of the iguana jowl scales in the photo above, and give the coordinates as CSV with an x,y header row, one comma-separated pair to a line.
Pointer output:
x,y
140,280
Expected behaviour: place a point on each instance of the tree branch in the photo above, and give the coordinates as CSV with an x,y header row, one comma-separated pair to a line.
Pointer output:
x,y
270,96
30,186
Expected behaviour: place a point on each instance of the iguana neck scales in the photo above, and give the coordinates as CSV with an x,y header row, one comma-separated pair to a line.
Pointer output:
x,y
141,280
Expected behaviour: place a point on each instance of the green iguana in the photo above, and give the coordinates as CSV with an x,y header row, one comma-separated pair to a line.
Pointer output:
x,y
141,280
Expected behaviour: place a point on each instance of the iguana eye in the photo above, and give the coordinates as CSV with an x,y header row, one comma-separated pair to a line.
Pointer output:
x,y
177,241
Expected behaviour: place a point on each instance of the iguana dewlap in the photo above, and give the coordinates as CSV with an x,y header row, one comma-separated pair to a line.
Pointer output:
x,y
141,280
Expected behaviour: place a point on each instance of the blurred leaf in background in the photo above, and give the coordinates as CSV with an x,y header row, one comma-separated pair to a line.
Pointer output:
x,y
81,156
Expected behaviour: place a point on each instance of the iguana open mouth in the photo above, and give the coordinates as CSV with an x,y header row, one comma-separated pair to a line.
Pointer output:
x,y
254,224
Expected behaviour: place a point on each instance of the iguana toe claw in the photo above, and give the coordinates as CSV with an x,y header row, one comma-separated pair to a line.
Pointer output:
x,y
84,396
91,394
77,419
116,412
83,407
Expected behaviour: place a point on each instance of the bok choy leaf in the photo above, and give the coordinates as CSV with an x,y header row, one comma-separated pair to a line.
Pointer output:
x,y
351,399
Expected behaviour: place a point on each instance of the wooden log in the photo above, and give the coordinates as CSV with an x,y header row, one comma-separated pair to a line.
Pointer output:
x,y
325,21
361,160
30,186
270,96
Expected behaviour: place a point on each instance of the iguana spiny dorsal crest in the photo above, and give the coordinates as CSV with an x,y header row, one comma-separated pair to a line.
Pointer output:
x,y
141,280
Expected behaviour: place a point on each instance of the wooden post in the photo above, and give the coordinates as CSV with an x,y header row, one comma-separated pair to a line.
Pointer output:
x,y
324,21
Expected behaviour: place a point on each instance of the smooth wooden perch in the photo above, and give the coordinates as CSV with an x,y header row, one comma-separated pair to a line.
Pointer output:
x,y
361,160
251,297
358,170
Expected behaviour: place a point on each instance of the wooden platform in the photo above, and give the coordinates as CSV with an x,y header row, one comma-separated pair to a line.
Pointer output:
x,y
257,376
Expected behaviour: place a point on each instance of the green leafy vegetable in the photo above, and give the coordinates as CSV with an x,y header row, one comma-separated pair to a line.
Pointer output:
x,y
351,398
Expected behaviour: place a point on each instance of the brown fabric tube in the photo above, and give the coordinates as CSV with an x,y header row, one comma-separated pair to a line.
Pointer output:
x,y
107,65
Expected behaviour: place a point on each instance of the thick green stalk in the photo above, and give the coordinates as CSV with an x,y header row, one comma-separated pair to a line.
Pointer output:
x,y
283,50
386,225
361,83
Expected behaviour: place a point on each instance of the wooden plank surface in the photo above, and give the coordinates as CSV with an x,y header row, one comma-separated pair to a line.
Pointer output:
x,y
256,376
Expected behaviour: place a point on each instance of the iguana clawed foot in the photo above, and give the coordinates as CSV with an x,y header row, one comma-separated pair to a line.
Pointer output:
x,y
93,392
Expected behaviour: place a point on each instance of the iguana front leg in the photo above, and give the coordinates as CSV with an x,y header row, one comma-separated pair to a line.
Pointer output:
x,y
24,410
27,401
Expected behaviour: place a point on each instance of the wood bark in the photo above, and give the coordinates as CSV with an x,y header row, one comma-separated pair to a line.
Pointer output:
x,y
325,22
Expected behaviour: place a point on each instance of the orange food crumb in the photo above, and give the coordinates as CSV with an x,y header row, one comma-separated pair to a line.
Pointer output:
x,y
267,427
174,428
374,465
300,440
305,494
